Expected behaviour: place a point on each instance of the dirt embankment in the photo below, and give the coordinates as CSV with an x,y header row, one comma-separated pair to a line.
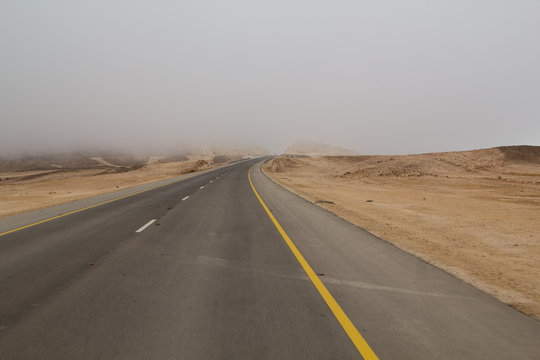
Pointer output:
x,y
475,214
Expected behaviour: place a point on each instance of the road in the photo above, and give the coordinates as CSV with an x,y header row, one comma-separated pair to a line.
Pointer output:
x,y
213,278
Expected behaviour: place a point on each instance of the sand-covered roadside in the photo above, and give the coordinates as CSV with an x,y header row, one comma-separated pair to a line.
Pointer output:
x,y
29,190
474,214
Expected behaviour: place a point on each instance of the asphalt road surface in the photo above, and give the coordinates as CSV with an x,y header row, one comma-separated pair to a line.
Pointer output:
x,y
197,269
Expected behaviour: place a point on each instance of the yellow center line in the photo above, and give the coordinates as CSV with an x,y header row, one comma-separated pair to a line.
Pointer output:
x,y
348,326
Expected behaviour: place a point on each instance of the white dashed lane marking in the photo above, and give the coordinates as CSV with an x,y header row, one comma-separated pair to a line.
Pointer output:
x,y
141,229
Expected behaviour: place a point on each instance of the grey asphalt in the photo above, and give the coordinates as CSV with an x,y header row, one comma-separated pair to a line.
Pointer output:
x,y
213,279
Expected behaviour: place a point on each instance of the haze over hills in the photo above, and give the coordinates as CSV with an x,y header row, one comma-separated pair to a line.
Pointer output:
x,y
229,150
126,160
313,148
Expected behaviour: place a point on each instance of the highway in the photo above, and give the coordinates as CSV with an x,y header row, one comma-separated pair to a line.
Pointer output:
x,y
226,264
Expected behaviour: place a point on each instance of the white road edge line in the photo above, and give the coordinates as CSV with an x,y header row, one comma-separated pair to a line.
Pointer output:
x,y
185,198
141,229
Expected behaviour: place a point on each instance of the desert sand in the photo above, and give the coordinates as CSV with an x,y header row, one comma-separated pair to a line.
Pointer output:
x,y
29,190
475,214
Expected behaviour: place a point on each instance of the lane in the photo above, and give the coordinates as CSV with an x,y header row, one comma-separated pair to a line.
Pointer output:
x,y
10,223
404,307
213,280
36,262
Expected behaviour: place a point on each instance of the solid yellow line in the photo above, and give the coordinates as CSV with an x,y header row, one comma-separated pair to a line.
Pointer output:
x,y
348,326
86,208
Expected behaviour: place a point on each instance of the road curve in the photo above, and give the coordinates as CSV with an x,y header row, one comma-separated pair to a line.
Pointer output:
x,y
198,270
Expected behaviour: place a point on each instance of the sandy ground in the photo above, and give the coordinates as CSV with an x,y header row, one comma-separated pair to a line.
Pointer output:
x,y
474,214
29,190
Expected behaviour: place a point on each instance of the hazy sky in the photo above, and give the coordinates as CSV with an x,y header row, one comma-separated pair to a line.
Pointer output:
x,y
374,76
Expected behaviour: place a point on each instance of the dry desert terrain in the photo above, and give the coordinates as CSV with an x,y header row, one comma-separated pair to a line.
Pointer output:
x,y
475,214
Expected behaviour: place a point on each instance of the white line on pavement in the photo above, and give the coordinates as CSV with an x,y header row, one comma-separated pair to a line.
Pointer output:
x,y
185,198
202,187
141,229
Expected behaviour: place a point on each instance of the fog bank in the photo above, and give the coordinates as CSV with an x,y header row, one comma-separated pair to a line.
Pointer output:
x,y
385,77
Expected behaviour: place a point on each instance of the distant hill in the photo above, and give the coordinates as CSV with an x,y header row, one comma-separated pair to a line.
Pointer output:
x,y
71,161
520,160
49,162
313,148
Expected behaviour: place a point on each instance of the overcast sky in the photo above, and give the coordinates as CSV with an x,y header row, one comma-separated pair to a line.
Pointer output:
x,y
373,76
